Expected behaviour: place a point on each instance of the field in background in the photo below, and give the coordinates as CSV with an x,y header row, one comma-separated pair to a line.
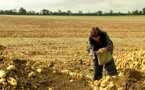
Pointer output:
x,y
61,41
68,35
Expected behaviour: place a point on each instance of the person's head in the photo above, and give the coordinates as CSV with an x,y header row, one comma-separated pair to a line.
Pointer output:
x,y
95,33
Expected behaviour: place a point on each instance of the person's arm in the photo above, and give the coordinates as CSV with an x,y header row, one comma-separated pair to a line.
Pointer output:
x,y
109,46
90,44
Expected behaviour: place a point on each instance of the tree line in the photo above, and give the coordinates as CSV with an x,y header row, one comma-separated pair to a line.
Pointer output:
x,y
23,11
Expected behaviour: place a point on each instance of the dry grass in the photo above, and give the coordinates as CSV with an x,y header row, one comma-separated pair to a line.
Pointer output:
x,y
68,35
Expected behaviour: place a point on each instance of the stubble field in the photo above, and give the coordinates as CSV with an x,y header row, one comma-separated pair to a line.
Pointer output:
x,y
56,45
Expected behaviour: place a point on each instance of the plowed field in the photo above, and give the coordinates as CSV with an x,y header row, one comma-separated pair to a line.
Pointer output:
x,y
49,52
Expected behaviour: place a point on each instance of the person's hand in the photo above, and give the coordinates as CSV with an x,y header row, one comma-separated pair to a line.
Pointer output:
x,y
101,50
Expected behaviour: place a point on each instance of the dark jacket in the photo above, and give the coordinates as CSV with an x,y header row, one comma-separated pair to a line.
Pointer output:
x,y
104,41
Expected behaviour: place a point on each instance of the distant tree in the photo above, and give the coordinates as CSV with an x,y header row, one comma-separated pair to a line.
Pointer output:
x,y
106,13
37,13
80,12
136,12
119,13
45,12
64,13
60,11
11,11
8,12
69,12
143,10
129,13
111,12
140,12
50,12
22,11
31,12
14,11
2,12
99,12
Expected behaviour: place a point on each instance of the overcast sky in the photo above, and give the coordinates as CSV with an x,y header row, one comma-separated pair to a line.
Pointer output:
x,y
74,5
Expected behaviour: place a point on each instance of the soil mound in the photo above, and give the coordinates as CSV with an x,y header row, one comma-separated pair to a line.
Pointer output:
x,y
2,47
131,79
39,76
132,74
25,74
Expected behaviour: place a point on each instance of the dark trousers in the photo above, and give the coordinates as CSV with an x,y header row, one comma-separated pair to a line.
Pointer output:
x,y
110,69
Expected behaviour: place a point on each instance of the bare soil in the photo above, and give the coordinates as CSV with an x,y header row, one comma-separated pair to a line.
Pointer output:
x,y
46,80
54,75
63,58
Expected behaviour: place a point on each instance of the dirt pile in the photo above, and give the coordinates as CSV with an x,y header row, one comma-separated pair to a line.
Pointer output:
x,y
39,75
66,75
34,75
2,48
130,79
131,74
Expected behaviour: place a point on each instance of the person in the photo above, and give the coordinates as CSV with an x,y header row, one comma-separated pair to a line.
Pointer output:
x,y
101,42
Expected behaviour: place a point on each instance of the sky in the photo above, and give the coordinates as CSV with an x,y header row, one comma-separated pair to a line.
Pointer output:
x,y
74,5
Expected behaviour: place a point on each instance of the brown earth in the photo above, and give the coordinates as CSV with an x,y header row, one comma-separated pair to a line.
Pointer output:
x,y
51,77
58,48
63,75
41,81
